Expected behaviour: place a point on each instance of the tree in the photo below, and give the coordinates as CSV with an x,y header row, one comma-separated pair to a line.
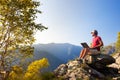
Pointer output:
x,y
32,72
118,43
17,29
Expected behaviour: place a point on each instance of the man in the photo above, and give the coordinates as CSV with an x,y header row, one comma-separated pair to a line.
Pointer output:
x,y
95,46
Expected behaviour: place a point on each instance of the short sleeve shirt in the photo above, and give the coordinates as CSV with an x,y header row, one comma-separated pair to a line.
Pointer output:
x,y
96,41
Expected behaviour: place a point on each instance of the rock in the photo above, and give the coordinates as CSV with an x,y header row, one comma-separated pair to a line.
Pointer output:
x,y
117,63
95,73
61,70
72,64
76,70
106,59
116,78
72,71
99,60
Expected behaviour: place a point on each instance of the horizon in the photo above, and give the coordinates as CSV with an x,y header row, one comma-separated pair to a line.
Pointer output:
x,y
71,21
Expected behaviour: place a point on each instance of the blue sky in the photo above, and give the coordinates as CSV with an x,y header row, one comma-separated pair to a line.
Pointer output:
x,y
71,21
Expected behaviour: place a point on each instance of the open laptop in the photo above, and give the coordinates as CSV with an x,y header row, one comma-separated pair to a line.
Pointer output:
x,y
84,45
92,50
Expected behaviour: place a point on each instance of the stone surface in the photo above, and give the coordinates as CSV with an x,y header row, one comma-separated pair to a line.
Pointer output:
x,y
61,70
77,70
99,60
117,63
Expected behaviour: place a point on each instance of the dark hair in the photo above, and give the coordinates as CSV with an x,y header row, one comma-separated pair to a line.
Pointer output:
x,y
95,32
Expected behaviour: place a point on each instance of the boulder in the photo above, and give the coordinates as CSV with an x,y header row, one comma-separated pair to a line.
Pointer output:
x,y
78,70
99,60
61,70
74,70
117,63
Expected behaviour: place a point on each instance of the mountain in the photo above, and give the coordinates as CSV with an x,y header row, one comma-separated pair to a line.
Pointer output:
x,y
56,53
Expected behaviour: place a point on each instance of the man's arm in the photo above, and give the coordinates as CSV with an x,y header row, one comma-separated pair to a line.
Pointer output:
x,y
100,43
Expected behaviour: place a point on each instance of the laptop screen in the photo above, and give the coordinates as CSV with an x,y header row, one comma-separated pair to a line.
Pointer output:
x,y
85,45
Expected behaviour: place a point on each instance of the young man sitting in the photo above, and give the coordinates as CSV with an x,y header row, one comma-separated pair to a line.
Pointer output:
x,y
95,47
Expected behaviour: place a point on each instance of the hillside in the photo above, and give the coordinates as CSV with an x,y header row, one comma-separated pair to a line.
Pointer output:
x,y
56,53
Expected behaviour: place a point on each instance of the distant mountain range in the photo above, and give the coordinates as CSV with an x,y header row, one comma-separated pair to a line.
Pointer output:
x,y
56,53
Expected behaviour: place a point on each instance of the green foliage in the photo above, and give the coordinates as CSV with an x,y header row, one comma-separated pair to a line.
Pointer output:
x,y
17,29
118,43
48,76
32,72
16,73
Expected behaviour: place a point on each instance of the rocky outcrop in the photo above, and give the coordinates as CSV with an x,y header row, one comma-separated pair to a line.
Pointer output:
x,y
117,63
99,61
86,70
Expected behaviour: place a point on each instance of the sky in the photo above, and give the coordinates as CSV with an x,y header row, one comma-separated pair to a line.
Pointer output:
x,y
71,21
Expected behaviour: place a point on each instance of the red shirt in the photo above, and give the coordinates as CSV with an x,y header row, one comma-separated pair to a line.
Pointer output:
x,y
96,41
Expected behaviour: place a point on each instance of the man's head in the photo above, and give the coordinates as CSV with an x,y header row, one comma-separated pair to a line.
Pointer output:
x,y
94,33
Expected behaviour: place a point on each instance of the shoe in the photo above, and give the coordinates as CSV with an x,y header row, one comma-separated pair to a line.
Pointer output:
x,y
78,59
81,60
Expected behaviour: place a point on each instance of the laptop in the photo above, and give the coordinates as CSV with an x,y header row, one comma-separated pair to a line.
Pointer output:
x,y
92,50
84,45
